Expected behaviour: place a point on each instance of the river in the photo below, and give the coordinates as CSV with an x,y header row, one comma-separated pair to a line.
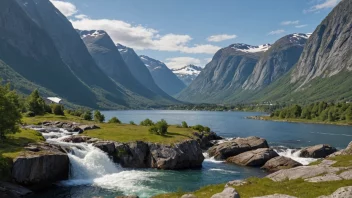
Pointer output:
x,y
94,174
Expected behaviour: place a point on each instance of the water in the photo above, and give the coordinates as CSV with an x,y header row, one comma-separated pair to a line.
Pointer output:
x,y
94,174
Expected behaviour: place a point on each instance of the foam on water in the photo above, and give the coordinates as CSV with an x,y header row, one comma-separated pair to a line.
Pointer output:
x,y
211,159
294,154
223,170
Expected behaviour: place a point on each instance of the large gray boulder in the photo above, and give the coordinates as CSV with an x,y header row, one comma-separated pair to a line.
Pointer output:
x,y
133,155
318,151
343,192
253,158
227,193
187,154
106,146
280,162
39,169
236,146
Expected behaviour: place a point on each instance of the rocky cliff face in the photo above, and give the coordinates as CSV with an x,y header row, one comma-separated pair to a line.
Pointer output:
x,y
277,61
328,52
30,52
187,73
226,73
108,58
163,76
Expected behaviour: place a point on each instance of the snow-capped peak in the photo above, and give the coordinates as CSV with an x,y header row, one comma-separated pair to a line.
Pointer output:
x,y
188,70
93,33
122,48
299,38
249,48
300,35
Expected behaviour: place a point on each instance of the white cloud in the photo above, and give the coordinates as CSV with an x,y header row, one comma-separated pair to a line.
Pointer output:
x,y
274,32
221,37
323,5
290,23
140,37
301,26
178,62
66,8
81,16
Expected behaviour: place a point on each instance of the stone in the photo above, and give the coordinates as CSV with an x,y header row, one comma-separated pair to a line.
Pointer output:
x,y
76,139
88,127
235,183
227,193
133,155
206,139
13,190
189,196
324,178
347,150
343,192
346,175
106,146
253,158
303,172
39,169
318,151
236,146
280,162
276,196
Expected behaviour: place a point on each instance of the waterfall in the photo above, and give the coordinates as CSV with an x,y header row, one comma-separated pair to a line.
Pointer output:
x,y
294,154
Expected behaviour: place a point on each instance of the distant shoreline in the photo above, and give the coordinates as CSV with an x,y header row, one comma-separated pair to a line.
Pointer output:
x,y
275,119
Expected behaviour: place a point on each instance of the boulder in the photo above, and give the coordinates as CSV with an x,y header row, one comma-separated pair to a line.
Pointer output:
x,y
280,162
106,146
227,193
206,139
276,196
88,127
39,169
12,190
302,172
347,150
253,158
189,196
236,146
347,175
183,155
318,151
324,178
76,139
343,192
133,155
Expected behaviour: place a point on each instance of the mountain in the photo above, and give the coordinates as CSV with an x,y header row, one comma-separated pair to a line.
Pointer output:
x,y
187,73
163,76
275,62
110,61
225,74
30,59
139,69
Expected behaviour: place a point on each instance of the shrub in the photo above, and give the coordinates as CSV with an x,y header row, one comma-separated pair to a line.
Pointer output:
x,y
87,115
98,117
114,120
184,124
160,128
201,128
147,122
57,109
132,123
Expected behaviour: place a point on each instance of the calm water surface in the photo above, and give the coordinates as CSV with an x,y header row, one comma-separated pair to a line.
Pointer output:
x,y
148,182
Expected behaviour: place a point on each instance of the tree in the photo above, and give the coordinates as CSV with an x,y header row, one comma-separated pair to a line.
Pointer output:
x,y
57,109
147,122
10,111
87,115
98,117
114,120
36,104
184,124
132,123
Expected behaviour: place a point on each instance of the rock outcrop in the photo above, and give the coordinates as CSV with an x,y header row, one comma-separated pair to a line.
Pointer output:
x,y
253,158
236,146
318,151
206,140
133,155
280,162
227,193
37,169
343,192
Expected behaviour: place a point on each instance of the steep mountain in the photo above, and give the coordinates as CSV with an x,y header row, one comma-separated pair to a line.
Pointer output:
x,y
187,73
28,54
225,74
163,76
110,61
74,53
139,70
278,60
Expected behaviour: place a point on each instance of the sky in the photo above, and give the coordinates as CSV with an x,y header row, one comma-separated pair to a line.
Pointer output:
x,y
182,32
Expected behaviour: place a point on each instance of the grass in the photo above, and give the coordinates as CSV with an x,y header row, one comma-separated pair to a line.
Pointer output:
x,y
342,161
52,117
265,186
268,118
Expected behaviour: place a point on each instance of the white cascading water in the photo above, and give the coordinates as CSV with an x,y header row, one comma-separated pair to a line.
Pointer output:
x,y
294,154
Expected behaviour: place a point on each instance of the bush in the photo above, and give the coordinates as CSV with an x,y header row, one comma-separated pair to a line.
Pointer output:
x,y
87,115
29,114
160,128
57,109
147,122
132,123
184,124
98,117
201,128
114,120
10,111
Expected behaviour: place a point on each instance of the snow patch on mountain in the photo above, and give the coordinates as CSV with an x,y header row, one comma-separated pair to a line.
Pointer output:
x,y
93,33
249,48
188,70
298,37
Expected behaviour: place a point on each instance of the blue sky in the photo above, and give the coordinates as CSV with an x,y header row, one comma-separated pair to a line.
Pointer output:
x,y
191,31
